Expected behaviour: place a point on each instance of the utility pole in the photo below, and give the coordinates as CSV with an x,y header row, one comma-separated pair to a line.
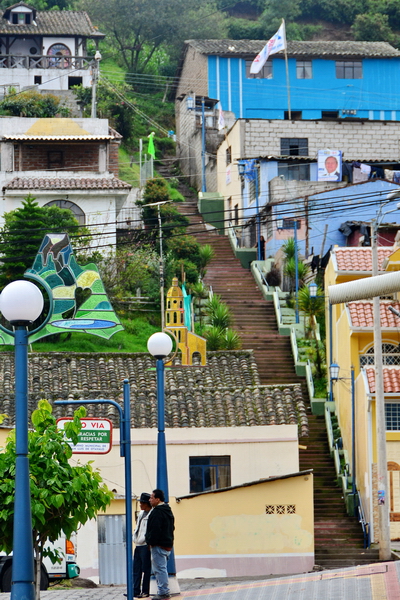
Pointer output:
x,y
95,78
383,497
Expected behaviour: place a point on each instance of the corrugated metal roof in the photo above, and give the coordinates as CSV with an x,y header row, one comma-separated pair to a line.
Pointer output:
x,y
56,138
319,49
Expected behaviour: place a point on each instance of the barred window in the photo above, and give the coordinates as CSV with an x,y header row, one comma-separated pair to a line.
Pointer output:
x,y
390,356
392,416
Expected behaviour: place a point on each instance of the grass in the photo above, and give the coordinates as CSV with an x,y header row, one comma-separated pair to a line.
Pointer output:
x,y
130,174
133,339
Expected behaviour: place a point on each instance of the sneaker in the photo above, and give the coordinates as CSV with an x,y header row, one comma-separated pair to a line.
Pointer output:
x,y
161,597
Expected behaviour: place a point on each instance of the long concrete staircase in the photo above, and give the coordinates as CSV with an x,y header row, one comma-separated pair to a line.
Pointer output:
x,y
338,537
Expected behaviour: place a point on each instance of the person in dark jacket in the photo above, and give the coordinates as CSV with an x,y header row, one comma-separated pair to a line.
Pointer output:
x,y
141,556
160,538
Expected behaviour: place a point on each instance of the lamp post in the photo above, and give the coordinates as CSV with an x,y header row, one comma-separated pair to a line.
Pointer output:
x,y
21,303
160,346
95,78
334,376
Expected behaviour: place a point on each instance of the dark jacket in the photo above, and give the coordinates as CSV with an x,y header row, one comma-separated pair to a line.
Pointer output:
x,y
160,527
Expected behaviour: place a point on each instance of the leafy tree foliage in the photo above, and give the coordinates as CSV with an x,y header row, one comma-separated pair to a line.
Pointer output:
x,y
23,231
138,28
32,104
128,269
63,496
373,27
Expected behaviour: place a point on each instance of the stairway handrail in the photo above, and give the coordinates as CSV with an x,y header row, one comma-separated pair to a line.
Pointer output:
x,y
232,234
364,523
309,378
262,275
293,342
277,306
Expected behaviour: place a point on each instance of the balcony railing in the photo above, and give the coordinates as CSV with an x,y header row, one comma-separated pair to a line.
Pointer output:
x,y
9,61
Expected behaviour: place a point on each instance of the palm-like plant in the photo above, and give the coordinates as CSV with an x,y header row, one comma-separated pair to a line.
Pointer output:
x,y
206,255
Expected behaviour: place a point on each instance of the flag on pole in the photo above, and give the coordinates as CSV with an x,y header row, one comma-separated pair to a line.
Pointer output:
x,y
150,149
274,45
221,119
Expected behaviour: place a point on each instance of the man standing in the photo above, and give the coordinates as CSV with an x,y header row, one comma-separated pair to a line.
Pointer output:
x,y
160,538
141,556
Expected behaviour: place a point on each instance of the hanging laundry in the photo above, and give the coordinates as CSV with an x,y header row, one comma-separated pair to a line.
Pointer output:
x,y
377,173
358,176
366,169
396,176
389,174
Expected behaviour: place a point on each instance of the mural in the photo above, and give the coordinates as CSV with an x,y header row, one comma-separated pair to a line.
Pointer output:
x,y
80,300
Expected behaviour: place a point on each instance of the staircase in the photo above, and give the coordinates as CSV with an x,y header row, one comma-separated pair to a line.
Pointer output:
x,y
338,537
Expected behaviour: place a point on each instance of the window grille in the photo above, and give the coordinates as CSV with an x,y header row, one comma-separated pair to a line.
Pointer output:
x,y
390,356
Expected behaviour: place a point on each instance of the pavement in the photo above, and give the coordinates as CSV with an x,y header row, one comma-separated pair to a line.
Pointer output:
x,y
379,581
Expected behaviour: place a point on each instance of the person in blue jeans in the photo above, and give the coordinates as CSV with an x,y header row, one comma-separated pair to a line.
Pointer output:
x,y
160,538
141,556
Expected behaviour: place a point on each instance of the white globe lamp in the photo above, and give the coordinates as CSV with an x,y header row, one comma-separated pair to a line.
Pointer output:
x,y
159,345
21,301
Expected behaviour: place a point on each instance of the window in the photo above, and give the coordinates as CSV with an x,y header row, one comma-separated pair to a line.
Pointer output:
x,y
228,155
390,356
74,208
329,114
209,473
252,191
265,73
349,69
295,115
392,416
74,81
37,80
304,69
19,18
294,172
294,146
290,224
59,54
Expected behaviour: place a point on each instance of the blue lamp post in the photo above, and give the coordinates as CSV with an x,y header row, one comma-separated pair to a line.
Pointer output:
x,y
21,303
160,346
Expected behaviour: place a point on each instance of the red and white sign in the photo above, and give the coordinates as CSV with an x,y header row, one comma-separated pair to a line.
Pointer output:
x,y
95,437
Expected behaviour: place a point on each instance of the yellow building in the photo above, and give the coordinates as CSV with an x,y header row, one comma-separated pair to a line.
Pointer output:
x,y
353,345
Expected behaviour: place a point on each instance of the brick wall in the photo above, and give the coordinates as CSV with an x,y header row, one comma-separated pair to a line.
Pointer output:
x,y
76,157
358,140
113,164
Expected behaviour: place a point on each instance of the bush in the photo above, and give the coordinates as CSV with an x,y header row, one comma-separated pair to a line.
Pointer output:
x,y
273,277
32,104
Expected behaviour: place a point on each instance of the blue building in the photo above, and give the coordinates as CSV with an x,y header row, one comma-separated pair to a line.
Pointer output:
x,y
328,79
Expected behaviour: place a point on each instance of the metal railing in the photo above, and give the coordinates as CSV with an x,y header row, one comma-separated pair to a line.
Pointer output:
x,y
309,379
277,306
293,343
262,276
11,61
364,523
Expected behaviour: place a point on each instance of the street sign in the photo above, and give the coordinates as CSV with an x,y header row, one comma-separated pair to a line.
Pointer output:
x,y
95,437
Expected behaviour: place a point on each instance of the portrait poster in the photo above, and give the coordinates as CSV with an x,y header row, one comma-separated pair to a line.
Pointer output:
x,y
329,165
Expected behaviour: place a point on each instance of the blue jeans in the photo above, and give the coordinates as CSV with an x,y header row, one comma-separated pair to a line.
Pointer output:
x,y
159,558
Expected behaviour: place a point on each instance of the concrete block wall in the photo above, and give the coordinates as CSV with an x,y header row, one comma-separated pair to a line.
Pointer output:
x,y
358,140
194,74
282,190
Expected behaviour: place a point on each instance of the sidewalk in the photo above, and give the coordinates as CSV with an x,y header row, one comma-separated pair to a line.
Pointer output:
x,y
380,581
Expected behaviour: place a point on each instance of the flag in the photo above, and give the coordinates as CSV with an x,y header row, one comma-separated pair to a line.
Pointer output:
x,y
274,45
221,120
150,148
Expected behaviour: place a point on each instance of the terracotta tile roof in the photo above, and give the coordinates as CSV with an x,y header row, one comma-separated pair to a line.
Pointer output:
x,y
320,49
391,379
67,183
361,313
226,392
359,259
54,22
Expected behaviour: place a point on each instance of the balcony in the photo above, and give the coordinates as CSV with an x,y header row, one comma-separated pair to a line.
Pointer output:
x,y
9,61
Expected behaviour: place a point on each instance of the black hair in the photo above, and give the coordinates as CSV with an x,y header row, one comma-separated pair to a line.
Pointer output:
x,y
159,494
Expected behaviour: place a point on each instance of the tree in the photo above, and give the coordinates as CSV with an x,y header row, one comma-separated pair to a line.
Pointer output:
x,y
62,496
373,27
137,29
32,104
23,231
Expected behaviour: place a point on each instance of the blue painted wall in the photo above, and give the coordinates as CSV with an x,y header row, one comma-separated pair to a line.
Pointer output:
x,y
358,202
375,96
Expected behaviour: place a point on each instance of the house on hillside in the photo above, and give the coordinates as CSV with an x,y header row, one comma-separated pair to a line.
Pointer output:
x,y
70,163
284,153
224,432
48,49
352,341
329,80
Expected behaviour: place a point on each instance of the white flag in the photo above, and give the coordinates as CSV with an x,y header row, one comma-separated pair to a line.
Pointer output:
x,y
274,45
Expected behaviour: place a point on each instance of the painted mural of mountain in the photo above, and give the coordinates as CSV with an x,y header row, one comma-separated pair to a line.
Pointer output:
x,y
80,300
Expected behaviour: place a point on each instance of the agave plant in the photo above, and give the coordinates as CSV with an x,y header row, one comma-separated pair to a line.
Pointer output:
x,y
214,337
232,340
206,255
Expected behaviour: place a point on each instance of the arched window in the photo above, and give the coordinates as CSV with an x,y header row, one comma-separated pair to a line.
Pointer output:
x,y
74,208
59,54
390,356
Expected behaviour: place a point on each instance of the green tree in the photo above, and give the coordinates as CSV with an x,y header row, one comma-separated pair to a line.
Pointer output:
x,y
32,104
373,27
63,496
23,231
137,29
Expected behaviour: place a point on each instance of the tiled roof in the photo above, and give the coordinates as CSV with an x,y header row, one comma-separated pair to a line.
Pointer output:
x,y
54,22
361,313
359,259
68,183
23,137
391,379
319,49
224,393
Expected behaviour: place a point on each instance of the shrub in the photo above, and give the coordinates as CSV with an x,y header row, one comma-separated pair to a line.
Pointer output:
x,y
273,277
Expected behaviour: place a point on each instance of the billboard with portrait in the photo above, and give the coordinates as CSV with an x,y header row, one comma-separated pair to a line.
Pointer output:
x,y
329,165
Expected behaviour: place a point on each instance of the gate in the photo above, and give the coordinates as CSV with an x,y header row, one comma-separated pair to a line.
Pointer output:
x,y
112,551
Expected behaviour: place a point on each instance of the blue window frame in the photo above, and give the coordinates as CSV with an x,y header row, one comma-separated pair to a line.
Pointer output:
x,y
209,473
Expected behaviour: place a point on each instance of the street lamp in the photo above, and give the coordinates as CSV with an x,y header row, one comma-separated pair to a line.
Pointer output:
x,y
160,346
21,303
334,375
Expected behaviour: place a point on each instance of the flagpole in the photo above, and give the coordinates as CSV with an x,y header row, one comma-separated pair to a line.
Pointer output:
x,y
287,74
